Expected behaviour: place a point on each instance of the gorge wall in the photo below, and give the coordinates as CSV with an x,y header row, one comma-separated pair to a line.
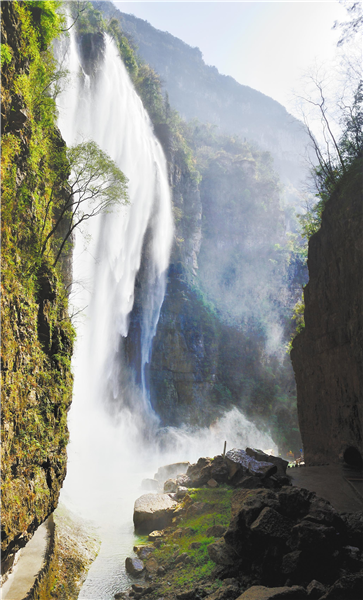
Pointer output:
x,y
328,354
37,336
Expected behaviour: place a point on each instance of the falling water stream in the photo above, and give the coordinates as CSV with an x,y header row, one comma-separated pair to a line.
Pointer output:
x,y
114,437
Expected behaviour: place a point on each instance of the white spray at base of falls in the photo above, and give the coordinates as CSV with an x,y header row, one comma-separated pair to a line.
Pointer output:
x,y
108,456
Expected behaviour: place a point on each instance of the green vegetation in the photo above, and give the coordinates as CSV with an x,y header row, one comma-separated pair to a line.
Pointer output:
x,y
190,537
37,336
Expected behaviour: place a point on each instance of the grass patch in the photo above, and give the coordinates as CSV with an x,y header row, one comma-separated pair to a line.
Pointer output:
x,y
190,536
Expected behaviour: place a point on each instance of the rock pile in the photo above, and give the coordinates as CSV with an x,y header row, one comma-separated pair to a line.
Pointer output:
x,y
292,538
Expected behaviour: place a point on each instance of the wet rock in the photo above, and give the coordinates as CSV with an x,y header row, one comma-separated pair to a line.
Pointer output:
x,y
120,595
221,554
259,455
153,511
171,471
216,531
134,566
259,592
238,460
143,552
170,486
315,590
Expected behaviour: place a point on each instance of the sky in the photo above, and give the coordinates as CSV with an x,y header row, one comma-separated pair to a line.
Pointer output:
x,y
268,46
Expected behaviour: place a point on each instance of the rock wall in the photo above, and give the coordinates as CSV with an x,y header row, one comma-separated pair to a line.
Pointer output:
x,y
37,336
327,355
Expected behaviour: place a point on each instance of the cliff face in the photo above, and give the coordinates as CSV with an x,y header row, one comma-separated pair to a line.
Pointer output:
x,y
327,355
37,336
223,324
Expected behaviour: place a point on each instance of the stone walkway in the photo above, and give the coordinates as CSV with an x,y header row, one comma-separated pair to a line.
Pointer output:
x,y
30,562
340,486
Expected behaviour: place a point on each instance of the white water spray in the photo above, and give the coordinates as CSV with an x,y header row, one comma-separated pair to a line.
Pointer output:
x,y
107,454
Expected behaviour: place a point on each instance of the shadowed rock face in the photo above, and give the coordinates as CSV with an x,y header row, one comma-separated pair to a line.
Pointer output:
x,y
327,355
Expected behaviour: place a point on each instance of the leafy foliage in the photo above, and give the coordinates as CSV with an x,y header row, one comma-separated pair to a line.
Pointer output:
x,y
96,185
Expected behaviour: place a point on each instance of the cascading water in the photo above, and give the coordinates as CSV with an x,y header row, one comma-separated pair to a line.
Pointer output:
x,y
112,425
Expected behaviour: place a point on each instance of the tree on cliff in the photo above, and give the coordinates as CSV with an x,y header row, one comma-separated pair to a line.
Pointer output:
x,y
95,186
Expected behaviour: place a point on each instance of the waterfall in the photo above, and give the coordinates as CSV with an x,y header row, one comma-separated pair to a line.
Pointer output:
x,y
104,107
114,437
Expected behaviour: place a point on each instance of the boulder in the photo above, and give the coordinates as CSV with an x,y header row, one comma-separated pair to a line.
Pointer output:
x,y
171,471
184,481
153,511
134,566
259,592
261,456
151,565
143,552
216,531
219,469
170,486
307,535
212,483
271,524
221,554
200,472
238,461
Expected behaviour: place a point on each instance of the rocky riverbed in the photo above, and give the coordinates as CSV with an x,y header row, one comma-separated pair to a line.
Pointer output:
x,y
236,528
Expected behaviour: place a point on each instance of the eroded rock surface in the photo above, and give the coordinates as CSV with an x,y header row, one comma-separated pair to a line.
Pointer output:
x,y
327,355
